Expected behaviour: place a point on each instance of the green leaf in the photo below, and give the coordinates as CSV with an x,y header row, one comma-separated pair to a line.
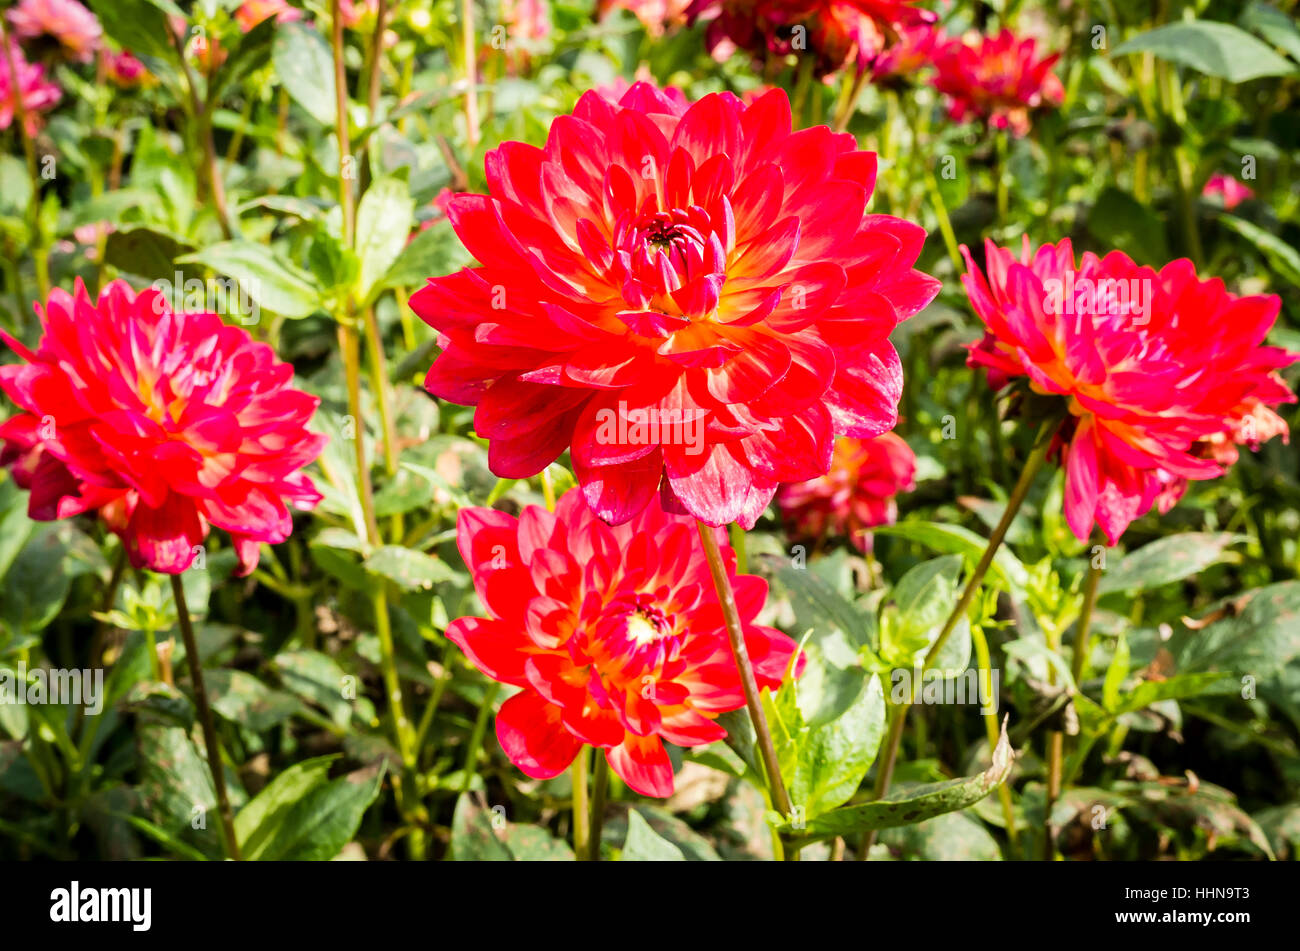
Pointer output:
x,y
244,700
258,822
821,607
1260,636
148,253
431,253
138,25
324,820
529,843
1283,258
1119,220
15,526
823,766
951,837
473,837
914,805
251,53
384,220
1007,569
319,679
1274,25
1167,560
409,569
273,282
37,582
1216,49
175,783
643,844
305,66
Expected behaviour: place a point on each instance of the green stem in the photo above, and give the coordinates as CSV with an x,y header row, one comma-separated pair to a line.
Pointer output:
x,y
753,702
1033,464
581,807
600,789
205,718
984,661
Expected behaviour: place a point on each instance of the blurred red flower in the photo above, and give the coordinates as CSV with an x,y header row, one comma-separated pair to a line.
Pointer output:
x,y
857,494
125,70
162,423
38,95
655,15
913,50
1227,189
999,79
253,12
67,22
838,32
614,635
1162,372
691,299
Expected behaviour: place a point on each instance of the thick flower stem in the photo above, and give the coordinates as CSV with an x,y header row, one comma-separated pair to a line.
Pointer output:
x,y
205,718
384,396
1056,739
581,807
985,664
471,72
1033,464
600,788
753,702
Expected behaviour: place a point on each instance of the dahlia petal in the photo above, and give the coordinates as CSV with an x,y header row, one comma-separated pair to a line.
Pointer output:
x,y
642,763
492,647
163,538
532,736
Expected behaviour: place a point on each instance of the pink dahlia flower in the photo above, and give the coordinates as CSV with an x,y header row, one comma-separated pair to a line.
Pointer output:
x,y
691,299
1156,370
1227,189
162,423
37,94
67,22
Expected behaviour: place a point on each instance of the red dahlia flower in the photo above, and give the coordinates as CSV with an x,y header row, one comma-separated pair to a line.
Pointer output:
x,y
837,32
998,79
1159,370
856,495
161,423
614,635
692,299
67,22
914,50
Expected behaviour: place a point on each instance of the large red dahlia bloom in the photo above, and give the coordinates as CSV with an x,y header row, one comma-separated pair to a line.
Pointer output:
x,y
1162,373
162,423
614,635
857,494
686,296
999,79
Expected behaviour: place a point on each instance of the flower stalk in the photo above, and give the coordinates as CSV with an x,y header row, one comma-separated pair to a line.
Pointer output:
x,y
753,702
885,772
205,719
